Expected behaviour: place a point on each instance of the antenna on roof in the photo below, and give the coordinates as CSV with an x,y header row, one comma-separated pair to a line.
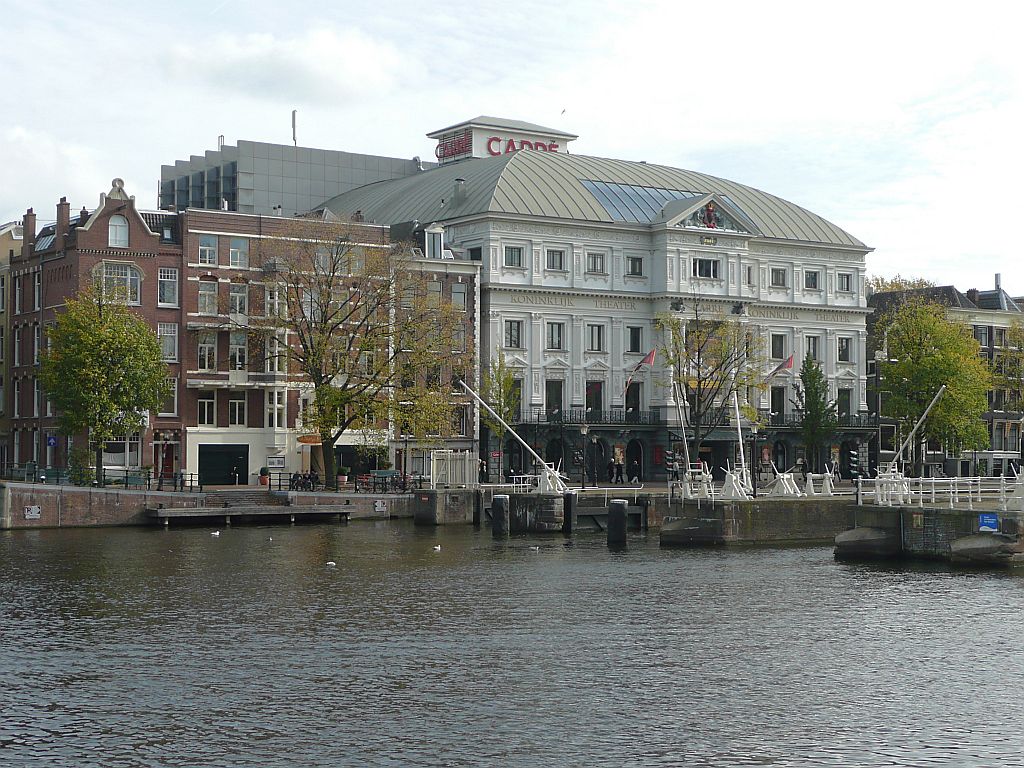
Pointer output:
x,y
295,141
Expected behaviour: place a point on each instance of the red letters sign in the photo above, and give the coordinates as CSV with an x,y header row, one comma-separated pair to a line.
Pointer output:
x,y
454,145
499,146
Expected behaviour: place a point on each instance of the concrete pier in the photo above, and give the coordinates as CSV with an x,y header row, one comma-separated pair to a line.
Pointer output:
x,y
617,522
499,516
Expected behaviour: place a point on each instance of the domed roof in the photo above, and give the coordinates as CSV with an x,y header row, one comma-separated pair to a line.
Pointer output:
x,y
574,187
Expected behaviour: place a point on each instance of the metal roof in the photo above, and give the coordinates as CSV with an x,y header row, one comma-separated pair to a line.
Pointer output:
x,y
501,123
555,185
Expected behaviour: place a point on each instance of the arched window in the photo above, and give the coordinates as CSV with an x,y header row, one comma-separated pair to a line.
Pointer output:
x,y
122,282
117,232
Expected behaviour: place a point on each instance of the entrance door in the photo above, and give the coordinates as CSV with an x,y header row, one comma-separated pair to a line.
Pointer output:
x,y
221,464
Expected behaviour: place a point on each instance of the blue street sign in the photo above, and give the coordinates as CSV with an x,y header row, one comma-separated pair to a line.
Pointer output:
x,y
51,441
988,522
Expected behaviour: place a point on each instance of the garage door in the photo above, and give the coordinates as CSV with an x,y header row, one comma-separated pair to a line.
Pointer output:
x,y
218,464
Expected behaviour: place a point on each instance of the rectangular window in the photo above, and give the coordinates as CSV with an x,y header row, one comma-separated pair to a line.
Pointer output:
x,y
513,256
170,405
844,282
555,335
514,334
37,338
635,266
17,295
207,415
460,296
998,338
812,347
434,293
273,304
37,397
167,334
553,404
167,287
459,339
634,338
238,255
845,349
207,352
37,290
595,263
207,249
749,270
556,260
238,299
595,398
705,268
3,338
981,334
17,403
275,408
275,355
207,297
778,346
3,293
843,400
238,343
460,420
595,338
17,346
811,278
236,409
778,277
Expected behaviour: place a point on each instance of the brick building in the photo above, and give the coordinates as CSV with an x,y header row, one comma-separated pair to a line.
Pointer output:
x,y
235,406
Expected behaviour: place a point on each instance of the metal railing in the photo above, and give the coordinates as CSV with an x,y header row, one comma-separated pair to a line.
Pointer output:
x,y
127,478
578,416
1000,493
796,419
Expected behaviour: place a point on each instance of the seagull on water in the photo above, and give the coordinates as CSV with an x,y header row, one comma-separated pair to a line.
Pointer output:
x,y
437,547
215,533
535,549
331,563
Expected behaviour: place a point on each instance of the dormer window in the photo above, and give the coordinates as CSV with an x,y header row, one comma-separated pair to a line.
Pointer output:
x,y
117,231
435,242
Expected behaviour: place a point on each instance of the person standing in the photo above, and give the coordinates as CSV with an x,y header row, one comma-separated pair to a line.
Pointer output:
x,y
611,470
618,472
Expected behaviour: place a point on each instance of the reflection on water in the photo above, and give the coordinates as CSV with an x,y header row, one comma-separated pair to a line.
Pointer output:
x,y
176,648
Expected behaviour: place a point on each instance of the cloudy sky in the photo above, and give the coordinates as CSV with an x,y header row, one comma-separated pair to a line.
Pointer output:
x,y
900,122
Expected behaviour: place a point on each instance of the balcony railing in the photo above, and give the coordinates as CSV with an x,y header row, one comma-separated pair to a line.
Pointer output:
x,y
576,416
795,419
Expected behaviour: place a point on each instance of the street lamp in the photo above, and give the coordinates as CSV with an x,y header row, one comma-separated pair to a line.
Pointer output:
x,y
584,428
753,458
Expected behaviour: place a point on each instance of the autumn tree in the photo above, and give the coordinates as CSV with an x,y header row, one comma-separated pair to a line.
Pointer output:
x,y
925,350
818,419
103,370
881,284
365,326
711,356
501,391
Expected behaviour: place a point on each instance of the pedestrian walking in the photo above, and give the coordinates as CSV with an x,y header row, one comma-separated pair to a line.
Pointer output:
x,y
618,472
611,470
634,472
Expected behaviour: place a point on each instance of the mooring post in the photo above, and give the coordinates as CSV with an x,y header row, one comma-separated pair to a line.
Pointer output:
x,y
569,512
499,516
617,522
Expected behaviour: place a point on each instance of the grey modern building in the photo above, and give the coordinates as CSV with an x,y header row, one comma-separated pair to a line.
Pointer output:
x,y
257,177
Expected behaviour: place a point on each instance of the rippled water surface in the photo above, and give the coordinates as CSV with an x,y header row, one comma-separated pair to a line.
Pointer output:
x,y
176,648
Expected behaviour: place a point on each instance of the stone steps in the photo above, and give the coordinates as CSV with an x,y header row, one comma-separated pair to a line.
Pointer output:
x,y
245,498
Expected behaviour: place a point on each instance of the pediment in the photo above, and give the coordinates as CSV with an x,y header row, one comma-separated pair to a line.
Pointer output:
x,y
710,212
596,365
516,361
557,363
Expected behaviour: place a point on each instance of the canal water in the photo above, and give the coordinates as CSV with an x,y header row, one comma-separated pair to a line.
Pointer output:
x,y
135,647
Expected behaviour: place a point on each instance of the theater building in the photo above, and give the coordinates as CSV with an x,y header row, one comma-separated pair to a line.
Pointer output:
x,y
579,256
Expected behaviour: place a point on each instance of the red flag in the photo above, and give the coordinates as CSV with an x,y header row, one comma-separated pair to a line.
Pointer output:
x,y
785,365
648,360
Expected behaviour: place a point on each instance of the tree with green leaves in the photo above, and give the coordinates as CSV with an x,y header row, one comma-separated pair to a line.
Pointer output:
x,y
923,351
711,356
818,419
366,328
500,389
102,369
